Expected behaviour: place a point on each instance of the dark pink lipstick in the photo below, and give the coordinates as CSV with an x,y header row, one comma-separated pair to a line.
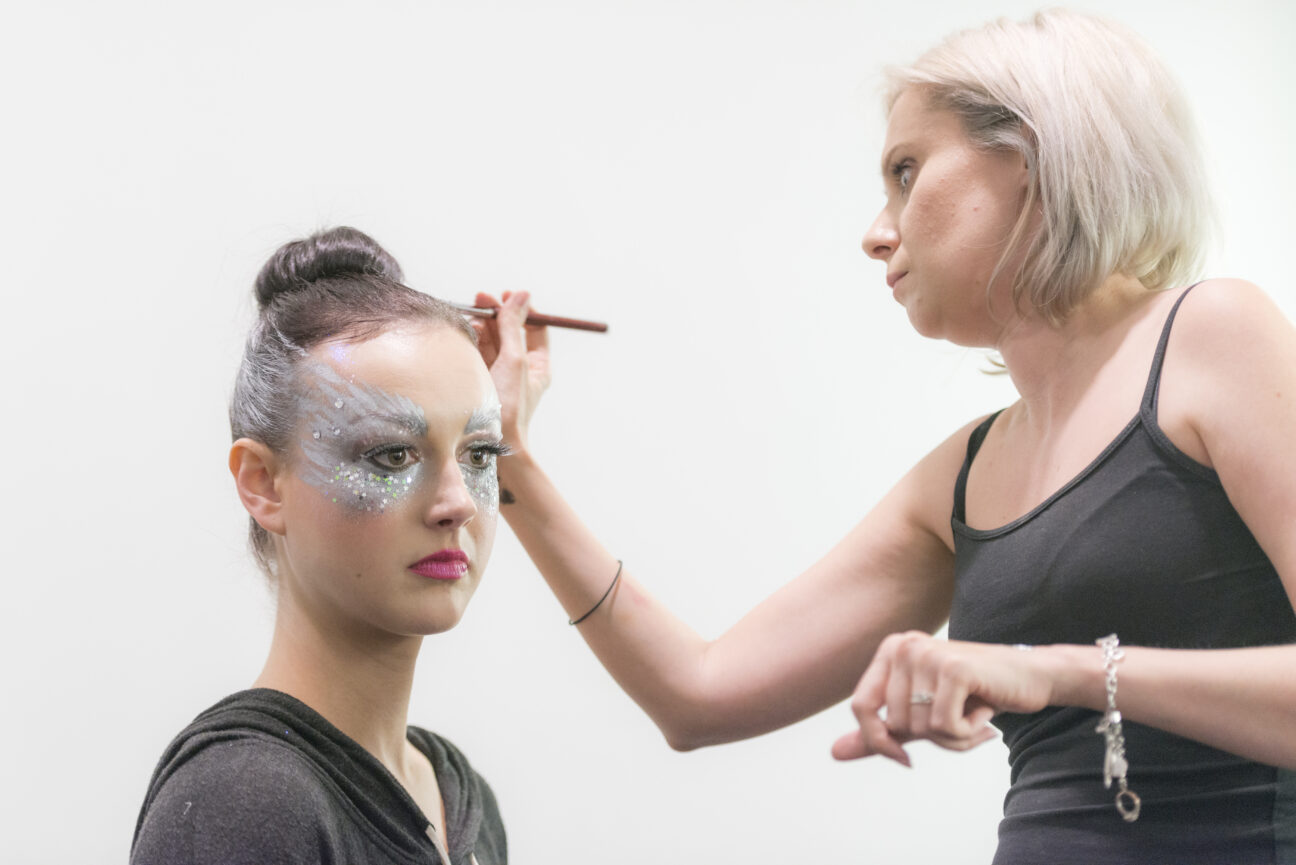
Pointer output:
x,y
445,565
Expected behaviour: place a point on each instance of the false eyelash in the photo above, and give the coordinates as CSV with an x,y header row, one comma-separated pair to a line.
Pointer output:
x,y
387,447
499,449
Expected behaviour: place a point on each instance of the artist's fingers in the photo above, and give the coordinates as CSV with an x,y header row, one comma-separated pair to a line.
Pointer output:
x,y
851,746
486,328
922,690
957,722
873,737
511,320
959,719
899,689
912,683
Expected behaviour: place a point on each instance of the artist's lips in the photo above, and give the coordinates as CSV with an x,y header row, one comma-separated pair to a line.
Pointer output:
x,y
893,278
445,565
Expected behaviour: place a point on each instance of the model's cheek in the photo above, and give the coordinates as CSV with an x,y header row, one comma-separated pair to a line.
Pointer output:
x,y
483,486
357,488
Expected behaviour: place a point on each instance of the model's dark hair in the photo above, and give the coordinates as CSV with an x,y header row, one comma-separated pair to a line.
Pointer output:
x,y
336,285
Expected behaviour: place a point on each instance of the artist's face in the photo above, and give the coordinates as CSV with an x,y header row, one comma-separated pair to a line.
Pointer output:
x,y
390,495
950,208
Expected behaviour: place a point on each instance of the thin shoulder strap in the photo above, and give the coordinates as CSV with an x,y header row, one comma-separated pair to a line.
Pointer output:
x,y
960,486
1153,389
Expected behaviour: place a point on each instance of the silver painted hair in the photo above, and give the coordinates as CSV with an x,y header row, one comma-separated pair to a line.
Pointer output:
x,y
1115,171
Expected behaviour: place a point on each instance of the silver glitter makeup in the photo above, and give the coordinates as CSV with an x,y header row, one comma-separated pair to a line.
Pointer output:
x,y
348,478
483,484
352,424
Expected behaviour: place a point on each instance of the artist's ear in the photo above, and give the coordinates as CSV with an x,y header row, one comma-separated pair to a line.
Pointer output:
x,y
256,468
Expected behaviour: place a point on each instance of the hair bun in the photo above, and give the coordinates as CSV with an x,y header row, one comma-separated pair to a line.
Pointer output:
x,y
335,252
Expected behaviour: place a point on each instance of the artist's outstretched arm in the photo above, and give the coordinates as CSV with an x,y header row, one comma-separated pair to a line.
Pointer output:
x,y
1229,392
799,651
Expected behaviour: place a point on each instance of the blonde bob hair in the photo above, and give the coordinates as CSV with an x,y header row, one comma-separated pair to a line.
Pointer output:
x,y
1115,171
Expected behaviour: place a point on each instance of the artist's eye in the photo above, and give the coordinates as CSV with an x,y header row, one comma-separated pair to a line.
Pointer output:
x,y
902,175
392,457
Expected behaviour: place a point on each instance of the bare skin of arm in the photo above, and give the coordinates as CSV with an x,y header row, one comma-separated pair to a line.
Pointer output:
x,y
798,652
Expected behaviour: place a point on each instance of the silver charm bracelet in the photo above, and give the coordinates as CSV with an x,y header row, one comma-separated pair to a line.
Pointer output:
x,y
1114,763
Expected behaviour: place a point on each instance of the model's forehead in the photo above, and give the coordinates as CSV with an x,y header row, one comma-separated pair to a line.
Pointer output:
x,y
435,369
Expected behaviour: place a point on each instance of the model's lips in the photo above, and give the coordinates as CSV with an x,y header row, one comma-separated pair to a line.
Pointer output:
x,y
893,278
446,565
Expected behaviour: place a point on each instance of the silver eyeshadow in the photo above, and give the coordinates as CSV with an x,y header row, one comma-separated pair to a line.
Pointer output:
x,y
347,423
483,484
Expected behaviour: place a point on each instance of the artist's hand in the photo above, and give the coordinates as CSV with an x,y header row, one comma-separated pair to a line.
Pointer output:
x,y
518,357
966,683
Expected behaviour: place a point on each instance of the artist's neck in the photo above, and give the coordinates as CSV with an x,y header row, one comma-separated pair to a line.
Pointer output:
x,y
358,680
1052,364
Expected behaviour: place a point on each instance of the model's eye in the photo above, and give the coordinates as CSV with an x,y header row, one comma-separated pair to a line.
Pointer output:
x,y
392,457
482,455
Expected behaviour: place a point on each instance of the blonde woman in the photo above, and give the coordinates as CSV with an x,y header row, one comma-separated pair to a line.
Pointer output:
x,y
1115,552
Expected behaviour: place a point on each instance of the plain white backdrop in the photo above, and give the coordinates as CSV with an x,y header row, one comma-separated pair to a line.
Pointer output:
x,y
699,174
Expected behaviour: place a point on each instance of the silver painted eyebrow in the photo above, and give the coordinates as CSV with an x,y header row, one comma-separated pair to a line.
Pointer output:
x,y
414,423
367,400
483,418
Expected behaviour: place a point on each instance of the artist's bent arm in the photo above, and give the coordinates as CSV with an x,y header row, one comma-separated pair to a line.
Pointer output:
x,y
1231,372
1235,370
798,652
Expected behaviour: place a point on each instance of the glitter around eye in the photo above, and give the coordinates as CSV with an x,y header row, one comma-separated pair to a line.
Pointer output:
x,y
483,486
332,464
364,490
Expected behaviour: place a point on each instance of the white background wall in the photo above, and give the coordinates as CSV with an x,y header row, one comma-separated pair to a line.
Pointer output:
x,y
696,173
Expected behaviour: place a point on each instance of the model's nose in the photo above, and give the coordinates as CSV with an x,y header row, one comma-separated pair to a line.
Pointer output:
x,y
453,504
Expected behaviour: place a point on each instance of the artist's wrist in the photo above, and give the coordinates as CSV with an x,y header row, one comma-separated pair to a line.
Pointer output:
x,y
515,469
1076,673
518,459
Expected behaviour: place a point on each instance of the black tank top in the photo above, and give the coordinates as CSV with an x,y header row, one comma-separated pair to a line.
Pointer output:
x,y
1143,543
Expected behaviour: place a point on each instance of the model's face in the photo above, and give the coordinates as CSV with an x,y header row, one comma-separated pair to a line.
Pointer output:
x,y
950,208
390,496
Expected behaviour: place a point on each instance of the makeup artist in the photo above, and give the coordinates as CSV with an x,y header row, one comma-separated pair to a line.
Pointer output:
x,y
1115,552
366,430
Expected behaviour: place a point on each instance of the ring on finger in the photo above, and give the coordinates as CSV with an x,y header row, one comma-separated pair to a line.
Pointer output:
x,y
921,698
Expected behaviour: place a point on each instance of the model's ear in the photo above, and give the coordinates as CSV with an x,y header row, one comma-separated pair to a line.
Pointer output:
x,y
255,468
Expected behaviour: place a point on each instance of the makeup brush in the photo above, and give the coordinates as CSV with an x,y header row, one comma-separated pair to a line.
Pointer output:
x,y
535,318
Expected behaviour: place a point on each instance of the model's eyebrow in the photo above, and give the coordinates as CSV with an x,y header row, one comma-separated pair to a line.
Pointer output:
x,y
414,423
363,400
485,417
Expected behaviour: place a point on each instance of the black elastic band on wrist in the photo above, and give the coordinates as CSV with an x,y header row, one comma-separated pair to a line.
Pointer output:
x,y
610,587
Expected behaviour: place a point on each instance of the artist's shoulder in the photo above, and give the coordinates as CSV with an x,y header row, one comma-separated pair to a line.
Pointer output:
x,y
248,795
1229,316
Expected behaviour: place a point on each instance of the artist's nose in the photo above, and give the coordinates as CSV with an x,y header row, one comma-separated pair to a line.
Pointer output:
x,y
452,504
882,237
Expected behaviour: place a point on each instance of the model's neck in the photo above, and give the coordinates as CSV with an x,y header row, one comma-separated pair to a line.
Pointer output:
x,y
1052,364
358,680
